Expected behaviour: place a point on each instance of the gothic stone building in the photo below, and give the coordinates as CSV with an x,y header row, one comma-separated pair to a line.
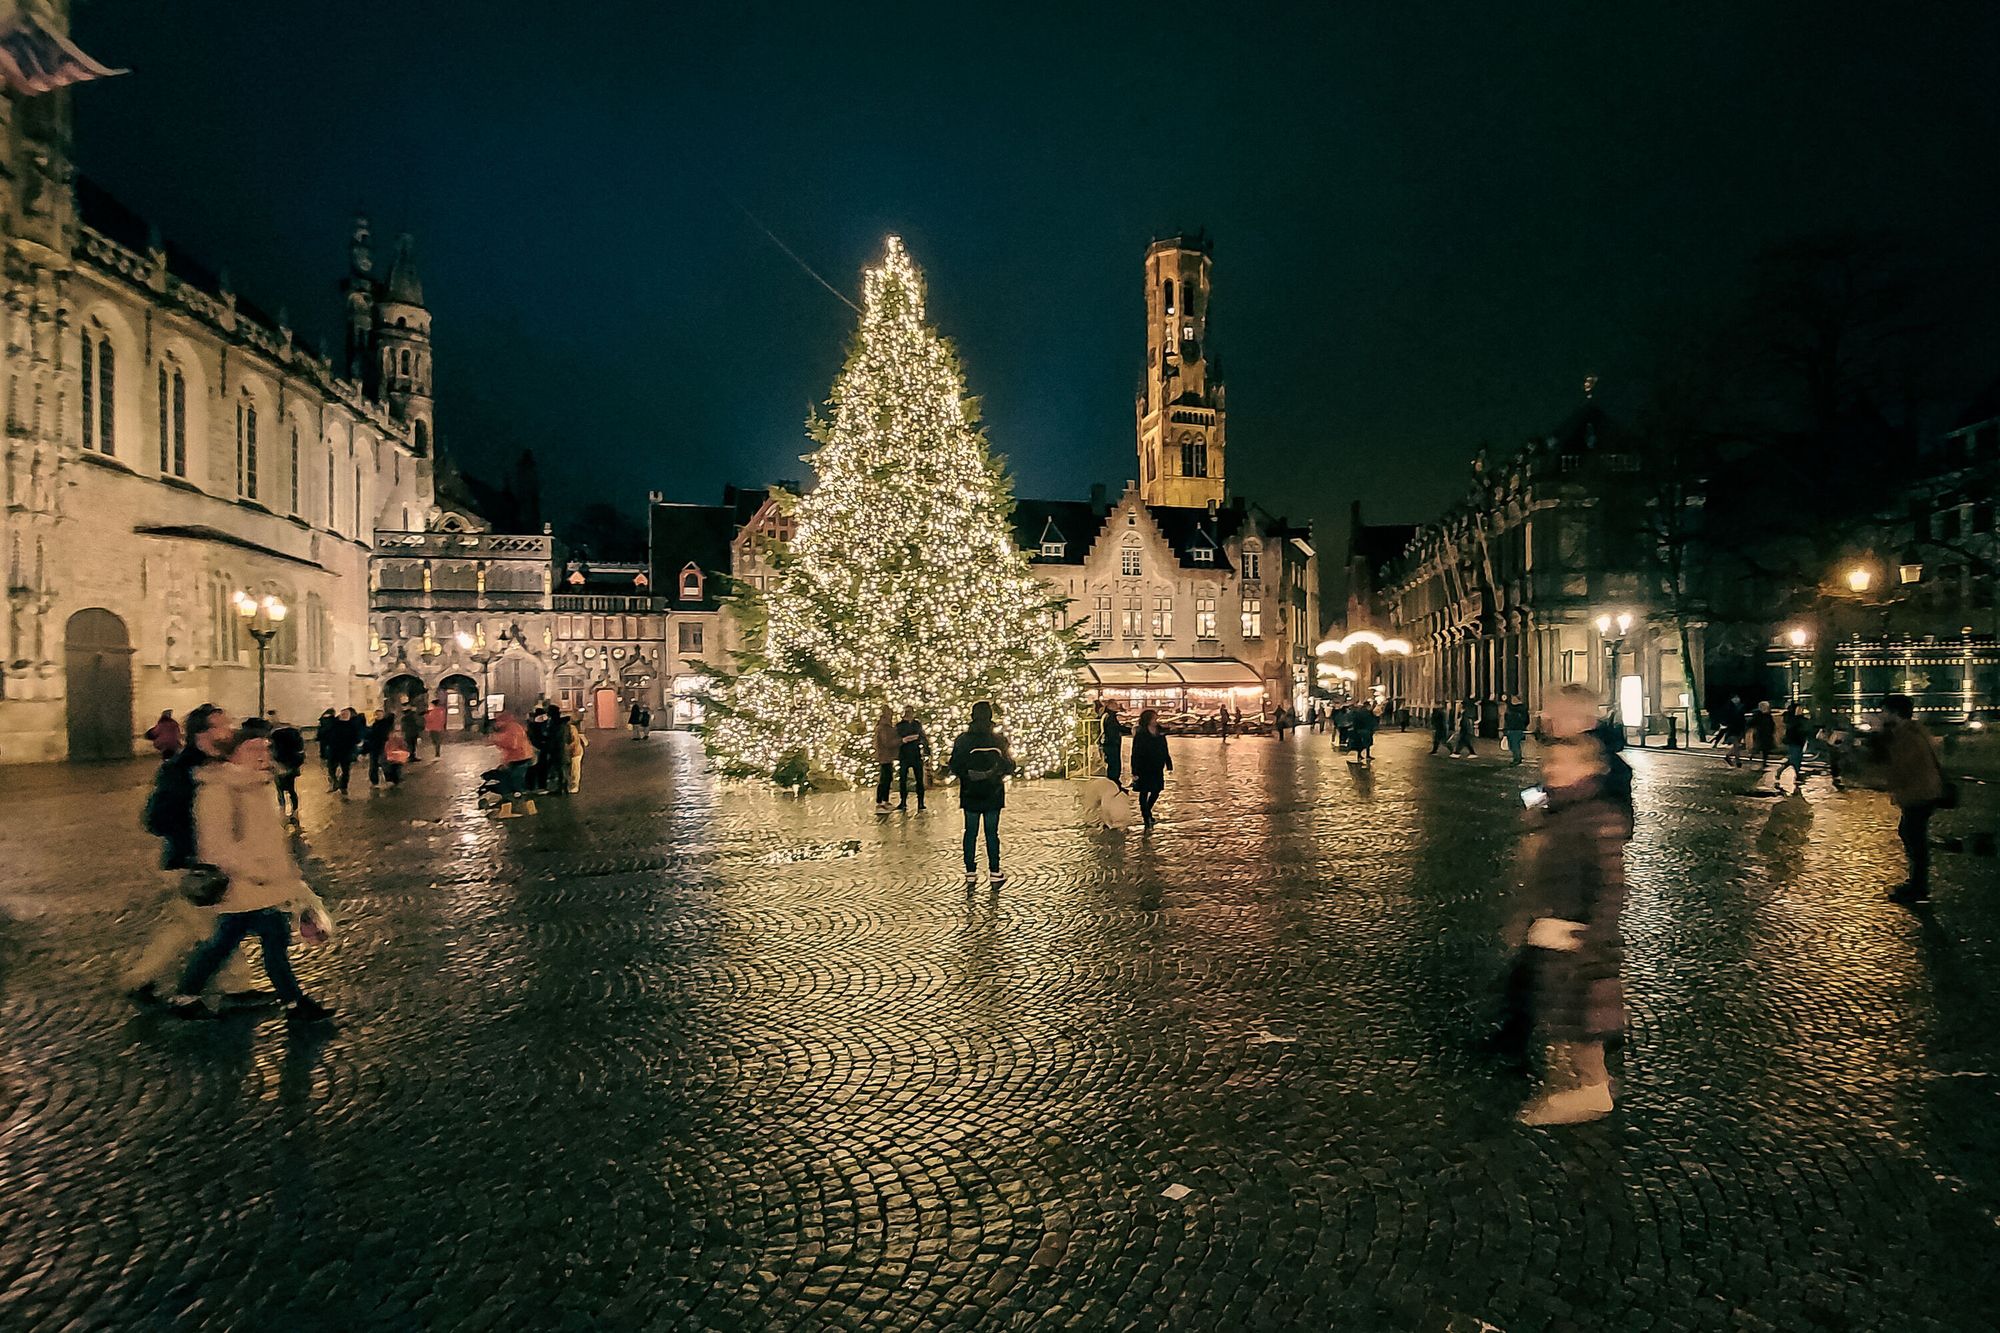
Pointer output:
x,y
1538,578
169,445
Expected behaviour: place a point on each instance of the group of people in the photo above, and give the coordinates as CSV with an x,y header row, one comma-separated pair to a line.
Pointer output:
x,y
390,742
1151,760
541,757
216,806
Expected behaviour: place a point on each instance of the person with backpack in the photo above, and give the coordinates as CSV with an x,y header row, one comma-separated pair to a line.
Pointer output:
x,y
981,761
911,757
239,834
169,816
288,756
1150,763
1797,732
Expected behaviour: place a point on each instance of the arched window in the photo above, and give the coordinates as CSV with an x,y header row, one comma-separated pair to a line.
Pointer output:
x,y
292,470
422,438
246,448
403,362
357,501
1194,456
406,518
100,365
173,419
1188,301
1128,557
328,506
1167,294
690,584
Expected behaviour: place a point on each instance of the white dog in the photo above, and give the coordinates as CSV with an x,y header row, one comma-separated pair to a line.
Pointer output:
x,y
1104,805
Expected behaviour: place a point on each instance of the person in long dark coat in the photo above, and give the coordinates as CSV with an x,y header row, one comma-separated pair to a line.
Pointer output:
x,y
1568,922
1114,736
1150,763
374,742
1440,727
981,760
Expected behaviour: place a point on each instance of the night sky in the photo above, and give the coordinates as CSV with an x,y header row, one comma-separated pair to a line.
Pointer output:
x,y
1431,221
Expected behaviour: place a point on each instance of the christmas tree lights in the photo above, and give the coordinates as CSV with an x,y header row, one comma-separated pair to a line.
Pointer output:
x,y
902,584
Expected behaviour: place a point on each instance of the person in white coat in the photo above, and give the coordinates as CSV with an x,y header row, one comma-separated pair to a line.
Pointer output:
x,y
239,832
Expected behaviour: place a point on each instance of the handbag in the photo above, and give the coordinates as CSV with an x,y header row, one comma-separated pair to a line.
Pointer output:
x,y
203,885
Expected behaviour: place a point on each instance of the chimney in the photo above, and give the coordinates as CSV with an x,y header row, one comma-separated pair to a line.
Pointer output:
x,y
1097,496
656,497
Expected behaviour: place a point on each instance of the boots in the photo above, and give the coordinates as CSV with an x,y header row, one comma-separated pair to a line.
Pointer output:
x,y
1566,1098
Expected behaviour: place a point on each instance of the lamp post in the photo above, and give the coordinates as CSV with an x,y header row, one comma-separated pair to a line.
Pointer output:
x,y
486,657
261,616
1147,668
1616,643
1798,638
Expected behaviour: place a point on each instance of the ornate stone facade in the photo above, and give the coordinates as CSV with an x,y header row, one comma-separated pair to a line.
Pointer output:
x,y
168,445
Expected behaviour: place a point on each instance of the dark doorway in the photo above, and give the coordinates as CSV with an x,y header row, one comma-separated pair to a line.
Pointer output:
x,y
97,665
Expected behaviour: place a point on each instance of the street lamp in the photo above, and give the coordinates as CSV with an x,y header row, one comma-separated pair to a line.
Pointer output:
x,y
1859,578
1798,638
261,616
1146,669
1616,643
486,657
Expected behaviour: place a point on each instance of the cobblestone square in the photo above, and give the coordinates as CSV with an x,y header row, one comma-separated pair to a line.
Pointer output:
x,y
680,1055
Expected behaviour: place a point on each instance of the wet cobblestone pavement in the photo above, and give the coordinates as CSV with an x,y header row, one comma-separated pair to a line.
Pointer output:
x,y
677,1057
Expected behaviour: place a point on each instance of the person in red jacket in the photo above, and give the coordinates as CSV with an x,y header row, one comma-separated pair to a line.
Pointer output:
x,y
510,738
434,720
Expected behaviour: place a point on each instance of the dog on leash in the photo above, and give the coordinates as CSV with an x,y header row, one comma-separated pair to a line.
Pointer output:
x,y
1105,804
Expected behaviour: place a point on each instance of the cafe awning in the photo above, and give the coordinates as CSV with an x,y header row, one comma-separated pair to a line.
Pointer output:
x,y
1213,673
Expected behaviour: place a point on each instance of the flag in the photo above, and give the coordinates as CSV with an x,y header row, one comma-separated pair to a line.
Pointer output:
x,y
34,59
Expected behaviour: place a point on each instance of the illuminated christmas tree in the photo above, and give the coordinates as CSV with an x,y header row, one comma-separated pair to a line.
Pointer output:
x,y
902,584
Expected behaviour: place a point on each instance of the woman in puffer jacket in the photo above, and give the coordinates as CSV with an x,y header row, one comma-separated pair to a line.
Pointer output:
x,y
239,832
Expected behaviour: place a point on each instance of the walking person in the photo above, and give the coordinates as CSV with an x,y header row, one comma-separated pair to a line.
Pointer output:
x,y
288,756
411,724
1797,731
1568,922
237,830
1763,730
511,775
373,741
578,743
169,816
1361,724
347,738
981,760
1918,787
888,748
1110,743
1440,728
636,719
556,770
1515,722
325,732
1466,739
912,756
165,734
434,724
1150,763
395,754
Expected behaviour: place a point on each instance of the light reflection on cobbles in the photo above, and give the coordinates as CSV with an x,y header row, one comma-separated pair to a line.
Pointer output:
x,y
672,1056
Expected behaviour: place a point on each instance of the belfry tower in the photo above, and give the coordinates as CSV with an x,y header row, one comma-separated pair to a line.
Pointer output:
x,y
1180,405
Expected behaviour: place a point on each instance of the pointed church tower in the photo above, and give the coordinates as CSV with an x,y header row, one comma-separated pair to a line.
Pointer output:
x,y
359,290
403,346
1180,406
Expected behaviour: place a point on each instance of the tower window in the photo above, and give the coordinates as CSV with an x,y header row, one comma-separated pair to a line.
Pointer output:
x,y
246,450
1189,295
1194,457
1167,294
292,471
173,421
403,361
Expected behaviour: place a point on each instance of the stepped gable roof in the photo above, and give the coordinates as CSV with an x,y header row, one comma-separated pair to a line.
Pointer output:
x,y
1982,409
1188,528
105,214
689,534
1075,523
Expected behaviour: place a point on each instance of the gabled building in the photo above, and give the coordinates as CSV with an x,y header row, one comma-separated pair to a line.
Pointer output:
x,y
693,549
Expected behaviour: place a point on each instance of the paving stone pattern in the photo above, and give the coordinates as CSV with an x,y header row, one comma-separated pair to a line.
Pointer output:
x,y
681,1055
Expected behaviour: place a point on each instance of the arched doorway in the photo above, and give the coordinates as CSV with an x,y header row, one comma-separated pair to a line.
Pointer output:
x,y
97,666
460,694
398,691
